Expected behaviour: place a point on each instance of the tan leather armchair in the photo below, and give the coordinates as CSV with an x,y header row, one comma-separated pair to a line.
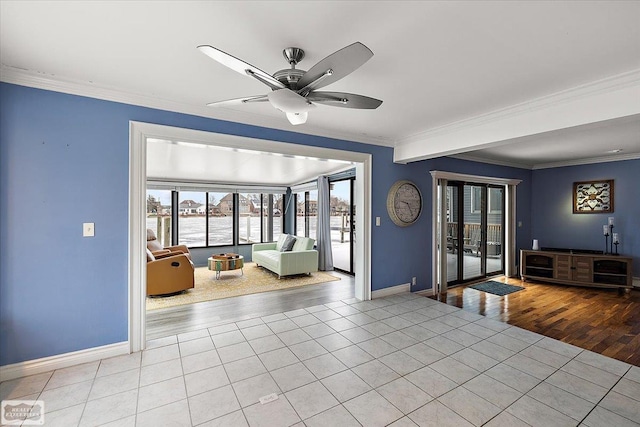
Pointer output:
x,y
168,273
155,247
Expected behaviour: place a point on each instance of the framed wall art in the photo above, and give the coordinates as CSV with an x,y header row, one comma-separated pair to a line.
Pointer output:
x,y
593,196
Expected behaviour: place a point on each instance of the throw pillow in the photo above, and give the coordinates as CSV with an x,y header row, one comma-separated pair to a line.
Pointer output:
x,y
288,244
280,242
154,245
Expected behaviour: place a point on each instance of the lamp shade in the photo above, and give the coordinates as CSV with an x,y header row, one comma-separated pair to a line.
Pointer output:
x,y
297,118
288,101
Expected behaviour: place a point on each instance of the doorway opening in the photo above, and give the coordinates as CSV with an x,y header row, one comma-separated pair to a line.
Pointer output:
x,y
473,228
141,132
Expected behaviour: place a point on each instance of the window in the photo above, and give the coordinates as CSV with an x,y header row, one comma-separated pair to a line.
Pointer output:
x,y
220,212
272,216
249,208
476,199
495,200
159,215
307,213
312,213
278,215
206,219
192,218
301,214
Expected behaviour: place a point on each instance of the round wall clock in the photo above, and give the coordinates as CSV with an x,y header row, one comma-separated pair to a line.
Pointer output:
x,y
404,203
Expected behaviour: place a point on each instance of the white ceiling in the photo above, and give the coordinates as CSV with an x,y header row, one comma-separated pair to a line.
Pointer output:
x,y
583,144
435,63
187,161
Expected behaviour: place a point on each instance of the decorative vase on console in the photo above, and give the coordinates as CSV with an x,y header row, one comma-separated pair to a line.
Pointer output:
x,y
535,246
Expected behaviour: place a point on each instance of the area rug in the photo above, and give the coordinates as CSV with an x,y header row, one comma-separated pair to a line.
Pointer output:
x,y
496,288
232,284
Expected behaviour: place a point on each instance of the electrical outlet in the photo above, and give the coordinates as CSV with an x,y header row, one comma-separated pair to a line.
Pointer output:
x,y
88,229
377,221
413,281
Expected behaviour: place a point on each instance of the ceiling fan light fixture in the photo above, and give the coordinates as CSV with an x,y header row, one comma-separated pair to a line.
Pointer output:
x,y
293,91
288,101
297,118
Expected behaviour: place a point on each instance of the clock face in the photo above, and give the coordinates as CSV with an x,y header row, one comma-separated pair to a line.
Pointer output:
x,y
404,203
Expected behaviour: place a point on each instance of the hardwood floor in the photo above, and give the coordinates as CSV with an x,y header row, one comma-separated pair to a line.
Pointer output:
x,y
606,321
186,318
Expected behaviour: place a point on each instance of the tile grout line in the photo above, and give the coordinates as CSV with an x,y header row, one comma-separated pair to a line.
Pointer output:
x,y
605,395
363,310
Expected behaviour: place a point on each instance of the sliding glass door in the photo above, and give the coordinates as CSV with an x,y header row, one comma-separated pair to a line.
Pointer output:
x,y
475,238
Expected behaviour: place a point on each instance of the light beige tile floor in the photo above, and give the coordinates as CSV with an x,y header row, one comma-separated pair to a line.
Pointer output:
x,y
403,360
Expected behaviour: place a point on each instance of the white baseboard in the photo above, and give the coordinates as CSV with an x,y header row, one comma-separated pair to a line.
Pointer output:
x,y
46,364
398,289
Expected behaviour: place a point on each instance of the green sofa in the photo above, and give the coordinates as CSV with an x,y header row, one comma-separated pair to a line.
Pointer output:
x,y
301,259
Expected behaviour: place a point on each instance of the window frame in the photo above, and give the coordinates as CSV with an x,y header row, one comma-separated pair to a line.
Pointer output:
x,y
235,215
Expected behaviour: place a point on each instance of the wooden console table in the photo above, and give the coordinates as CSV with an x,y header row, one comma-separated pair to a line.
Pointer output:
x,y
604,271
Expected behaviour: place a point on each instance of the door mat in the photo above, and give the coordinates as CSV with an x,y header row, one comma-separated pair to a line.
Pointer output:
x,y
496,288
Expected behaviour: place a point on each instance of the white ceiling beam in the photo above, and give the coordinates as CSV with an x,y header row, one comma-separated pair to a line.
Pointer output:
x,y
610,98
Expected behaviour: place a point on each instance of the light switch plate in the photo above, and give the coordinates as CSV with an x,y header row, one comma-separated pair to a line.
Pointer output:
x,y
377,221
88,229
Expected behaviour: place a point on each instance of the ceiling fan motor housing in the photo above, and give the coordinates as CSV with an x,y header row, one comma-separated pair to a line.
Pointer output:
x,y
293,55
289,77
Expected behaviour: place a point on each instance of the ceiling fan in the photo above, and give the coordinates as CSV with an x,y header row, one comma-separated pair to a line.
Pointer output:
x,y
293,91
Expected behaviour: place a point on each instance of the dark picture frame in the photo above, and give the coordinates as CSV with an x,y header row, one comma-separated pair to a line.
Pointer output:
x,y
593,196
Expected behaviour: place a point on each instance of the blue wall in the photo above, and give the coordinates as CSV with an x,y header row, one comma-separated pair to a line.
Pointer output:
x,y
64,161
555,224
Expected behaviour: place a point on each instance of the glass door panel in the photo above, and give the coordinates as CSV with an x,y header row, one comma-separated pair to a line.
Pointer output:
x,y
472,231
341,224
495,226
453,237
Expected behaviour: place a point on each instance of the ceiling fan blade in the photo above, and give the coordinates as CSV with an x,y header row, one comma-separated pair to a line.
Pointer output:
x,y
241,66
340,63
238,101
345,100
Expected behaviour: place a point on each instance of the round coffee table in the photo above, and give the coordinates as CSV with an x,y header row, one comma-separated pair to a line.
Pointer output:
x,y
219,263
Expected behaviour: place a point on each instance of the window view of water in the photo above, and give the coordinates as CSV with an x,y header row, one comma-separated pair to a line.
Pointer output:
x,y
192,229
196,208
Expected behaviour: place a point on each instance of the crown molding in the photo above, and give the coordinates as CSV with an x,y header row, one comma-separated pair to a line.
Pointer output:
x,y
589,161
40,81
551,165
608,84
